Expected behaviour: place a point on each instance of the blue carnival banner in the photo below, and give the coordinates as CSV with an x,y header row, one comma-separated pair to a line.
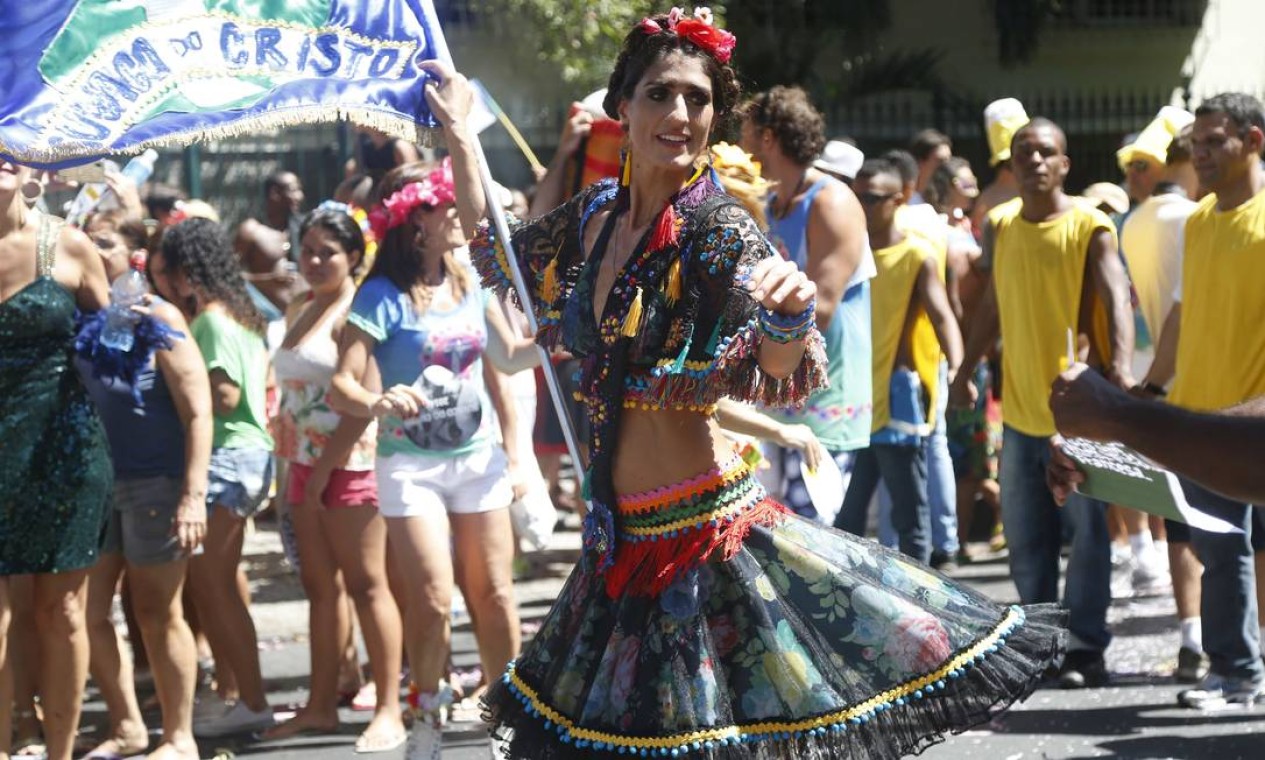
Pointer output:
x,y
83,78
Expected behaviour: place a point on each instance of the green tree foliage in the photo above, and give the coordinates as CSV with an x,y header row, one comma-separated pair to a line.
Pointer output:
x,y
827,46
579,37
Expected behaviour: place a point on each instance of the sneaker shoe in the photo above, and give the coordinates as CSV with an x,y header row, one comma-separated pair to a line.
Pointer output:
x,y
1083,669
207,705
1121,555
1150,578
238,719
942,561
1222,691
1192,666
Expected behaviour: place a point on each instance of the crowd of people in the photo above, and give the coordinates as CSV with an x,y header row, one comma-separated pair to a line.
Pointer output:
x,y
738,317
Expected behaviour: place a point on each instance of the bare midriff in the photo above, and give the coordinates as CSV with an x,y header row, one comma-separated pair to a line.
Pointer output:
x,y
663,447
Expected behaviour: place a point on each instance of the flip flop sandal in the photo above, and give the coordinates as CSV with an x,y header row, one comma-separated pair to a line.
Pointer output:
x,y
366,700
30,748
363,746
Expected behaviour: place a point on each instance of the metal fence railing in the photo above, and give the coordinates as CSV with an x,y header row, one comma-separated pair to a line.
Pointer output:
x,y
1095,123
232,171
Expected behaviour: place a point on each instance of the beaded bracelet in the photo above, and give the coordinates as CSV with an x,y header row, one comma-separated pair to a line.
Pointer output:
x,y
781,328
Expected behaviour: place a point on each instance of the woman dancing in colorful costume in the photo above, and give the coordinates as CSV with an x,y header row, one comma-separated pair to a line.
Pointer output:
x,y
703,617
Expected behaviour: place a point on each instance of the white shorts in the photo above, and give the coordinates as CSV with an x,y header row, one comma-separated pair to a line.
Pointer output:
x,y
415,486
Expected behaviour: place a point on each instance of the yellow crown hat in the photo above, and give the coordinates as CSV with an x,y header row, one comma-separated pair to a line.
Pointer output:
x,y
1002,119
1153,141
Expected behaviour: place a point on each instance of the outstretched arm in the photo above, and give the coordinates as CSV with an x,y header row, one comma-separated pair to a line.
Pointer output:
x,y
745,419
450,100
508,352
1220,451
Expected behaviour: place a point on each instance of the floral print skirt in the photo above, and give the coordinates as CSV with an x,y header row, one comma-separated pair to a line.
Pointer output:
x,y
801,642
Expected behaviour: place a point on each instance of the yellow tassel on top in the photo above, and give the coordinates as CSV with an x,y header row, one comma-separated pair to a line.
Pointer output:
x,y
633,320
672,291
625,176
549,289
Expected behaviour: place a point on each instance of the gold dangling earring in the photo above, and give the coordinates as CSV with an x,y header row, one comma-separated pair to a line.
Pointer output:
x,y
625,176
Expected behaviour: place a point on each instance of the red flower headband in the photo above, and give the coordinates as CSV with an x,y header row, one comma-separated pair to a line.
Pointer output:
x,y
698,30
436,190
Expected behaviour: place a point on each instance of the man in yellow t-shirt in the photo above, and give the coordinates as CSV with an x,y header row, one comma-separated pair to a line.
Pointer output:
x,y
912,324
1050,258
1217,334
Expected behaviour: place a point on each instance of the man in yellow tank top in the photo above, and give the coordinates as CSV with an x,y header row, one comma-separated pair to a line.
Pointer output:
x,y
1217,334
1045,253
911,323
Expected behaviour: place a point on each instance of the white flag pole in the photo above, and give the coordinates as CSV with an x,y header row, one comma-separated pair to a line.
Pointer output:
x,y
497,216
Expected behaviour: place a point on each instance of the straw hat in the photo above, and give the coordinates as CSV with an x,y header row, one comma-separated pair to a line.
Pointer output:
x,y
840,159
1107,193
1002,119
1153,141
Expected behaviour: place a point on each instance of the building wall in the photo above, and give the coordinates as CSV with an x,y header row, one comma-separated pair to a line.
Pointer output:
x,y
1229,52
1068,57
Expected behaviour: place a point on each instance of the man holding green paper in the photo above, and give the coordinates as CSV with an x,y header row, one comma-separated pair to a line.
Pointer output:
x,y
1218,450
1217,337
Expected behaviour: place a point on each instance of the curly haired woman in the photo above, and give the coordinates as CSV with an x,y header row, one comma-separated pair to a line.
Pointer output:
x,y
197,270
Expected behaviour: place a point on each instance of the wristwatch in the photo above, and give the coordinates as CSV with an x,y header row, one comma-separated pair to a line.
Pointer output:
x,y
1153,389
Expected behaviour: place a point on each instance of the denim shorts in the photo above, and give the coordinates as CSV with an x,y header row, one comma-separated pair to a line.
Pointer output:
x,y
142,523
239,480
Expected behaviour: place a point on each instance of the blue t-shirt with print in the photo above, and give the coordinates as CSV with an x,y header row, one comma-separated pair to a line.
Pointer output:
x,y
439,352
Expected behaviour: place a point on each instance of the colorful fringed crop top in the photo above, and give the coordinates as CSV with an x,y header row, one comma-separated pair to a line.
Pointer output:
x,y
678,331
691,325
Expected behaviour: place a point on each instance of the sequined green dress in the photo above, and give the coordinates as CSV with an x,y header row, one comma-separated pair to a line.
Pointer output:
x,y
55,477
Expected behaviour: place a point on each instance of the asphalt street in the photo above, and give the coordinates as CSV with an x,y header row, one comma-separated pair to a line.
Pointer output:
x,y
1135,717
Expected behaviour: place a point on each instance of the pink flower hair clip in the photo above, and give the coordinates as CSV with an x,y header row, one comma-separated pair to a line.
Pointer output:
x,y
698,29
435,190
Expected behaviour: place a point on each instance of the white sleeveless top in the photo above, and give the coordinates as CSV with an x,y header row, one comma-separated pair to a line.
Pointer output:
x,y
306,419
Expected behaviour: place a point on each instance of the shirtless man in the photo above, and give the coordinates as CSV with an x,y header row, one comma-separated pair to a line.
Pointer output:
x,y
267,248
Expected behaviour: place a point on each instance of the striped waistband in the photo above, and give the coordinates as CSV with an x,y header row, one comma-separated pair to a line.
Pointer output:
x,y
709,500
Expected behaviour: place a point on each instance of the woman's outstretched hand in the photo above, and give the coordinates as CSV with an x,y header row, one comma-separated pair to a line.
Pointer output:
x,y
780,286
452,98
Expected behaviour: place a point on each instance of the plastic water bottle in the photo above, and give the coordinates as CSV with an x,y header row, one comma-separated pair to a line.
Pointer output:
x,y
127,291
138,170
95,196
